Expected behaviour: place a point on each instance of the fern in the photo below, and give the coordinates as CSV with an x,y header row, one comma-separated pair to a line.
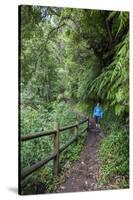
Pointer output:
x,y
112,15
112,83
123,18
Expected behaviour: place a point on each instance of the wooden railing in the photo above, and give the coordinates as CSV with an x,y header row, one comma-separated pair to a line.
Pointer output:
x,y
57,149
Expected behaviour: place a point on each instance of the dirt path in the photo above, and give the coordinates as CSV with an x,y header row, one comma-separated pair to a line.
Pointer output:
x,y
83,174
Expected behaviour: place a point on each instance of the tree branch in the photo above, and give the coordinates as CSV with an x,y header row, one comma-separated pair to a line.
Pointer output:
x,y
54,29
109,31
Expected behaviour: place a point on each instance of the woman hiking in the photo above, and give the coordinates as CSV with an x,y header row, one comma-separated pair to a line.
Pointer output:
x,y
97,114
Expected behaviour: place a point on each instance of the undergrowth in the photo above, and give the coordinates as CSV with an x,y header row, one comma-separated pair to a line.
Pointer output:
x,y
114,157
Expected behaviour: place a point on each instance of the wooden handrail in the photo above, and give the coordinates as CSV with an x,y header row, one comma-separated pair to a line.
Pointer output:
x,y
28,170
82,122
37,134
67,144
67,127
50,132
57,150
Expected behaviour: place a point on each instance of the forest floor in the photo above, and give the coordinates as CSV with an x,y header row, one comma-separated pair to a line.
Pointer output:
x,y
83,175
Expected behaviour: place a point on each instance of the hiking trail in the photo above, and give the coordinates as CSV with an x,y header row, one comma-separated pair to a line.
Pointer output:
x,y
83,174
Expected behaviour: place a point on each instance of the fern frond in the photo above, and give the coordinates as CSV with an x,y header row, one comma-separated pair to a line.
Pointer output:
x,y
123,21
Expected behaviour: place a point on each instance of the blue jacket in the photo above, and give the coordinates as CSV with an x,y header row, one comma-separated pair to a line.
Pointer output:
x,y
98,112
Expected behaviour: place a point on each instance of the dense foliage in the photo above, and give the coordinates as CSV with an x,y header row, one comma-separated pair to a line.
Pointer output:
x,y
70,58
114,154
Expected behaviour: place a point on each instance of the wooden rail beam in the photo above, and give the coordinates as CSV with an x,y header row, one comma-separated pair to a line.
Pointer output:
x,y
82,122
67,127
36,135
47,133
28,170
68,144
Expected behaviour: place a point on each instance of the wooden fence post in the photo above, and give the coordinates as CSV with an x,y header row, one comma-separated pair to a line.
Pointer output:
x,y
56,149
76,129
